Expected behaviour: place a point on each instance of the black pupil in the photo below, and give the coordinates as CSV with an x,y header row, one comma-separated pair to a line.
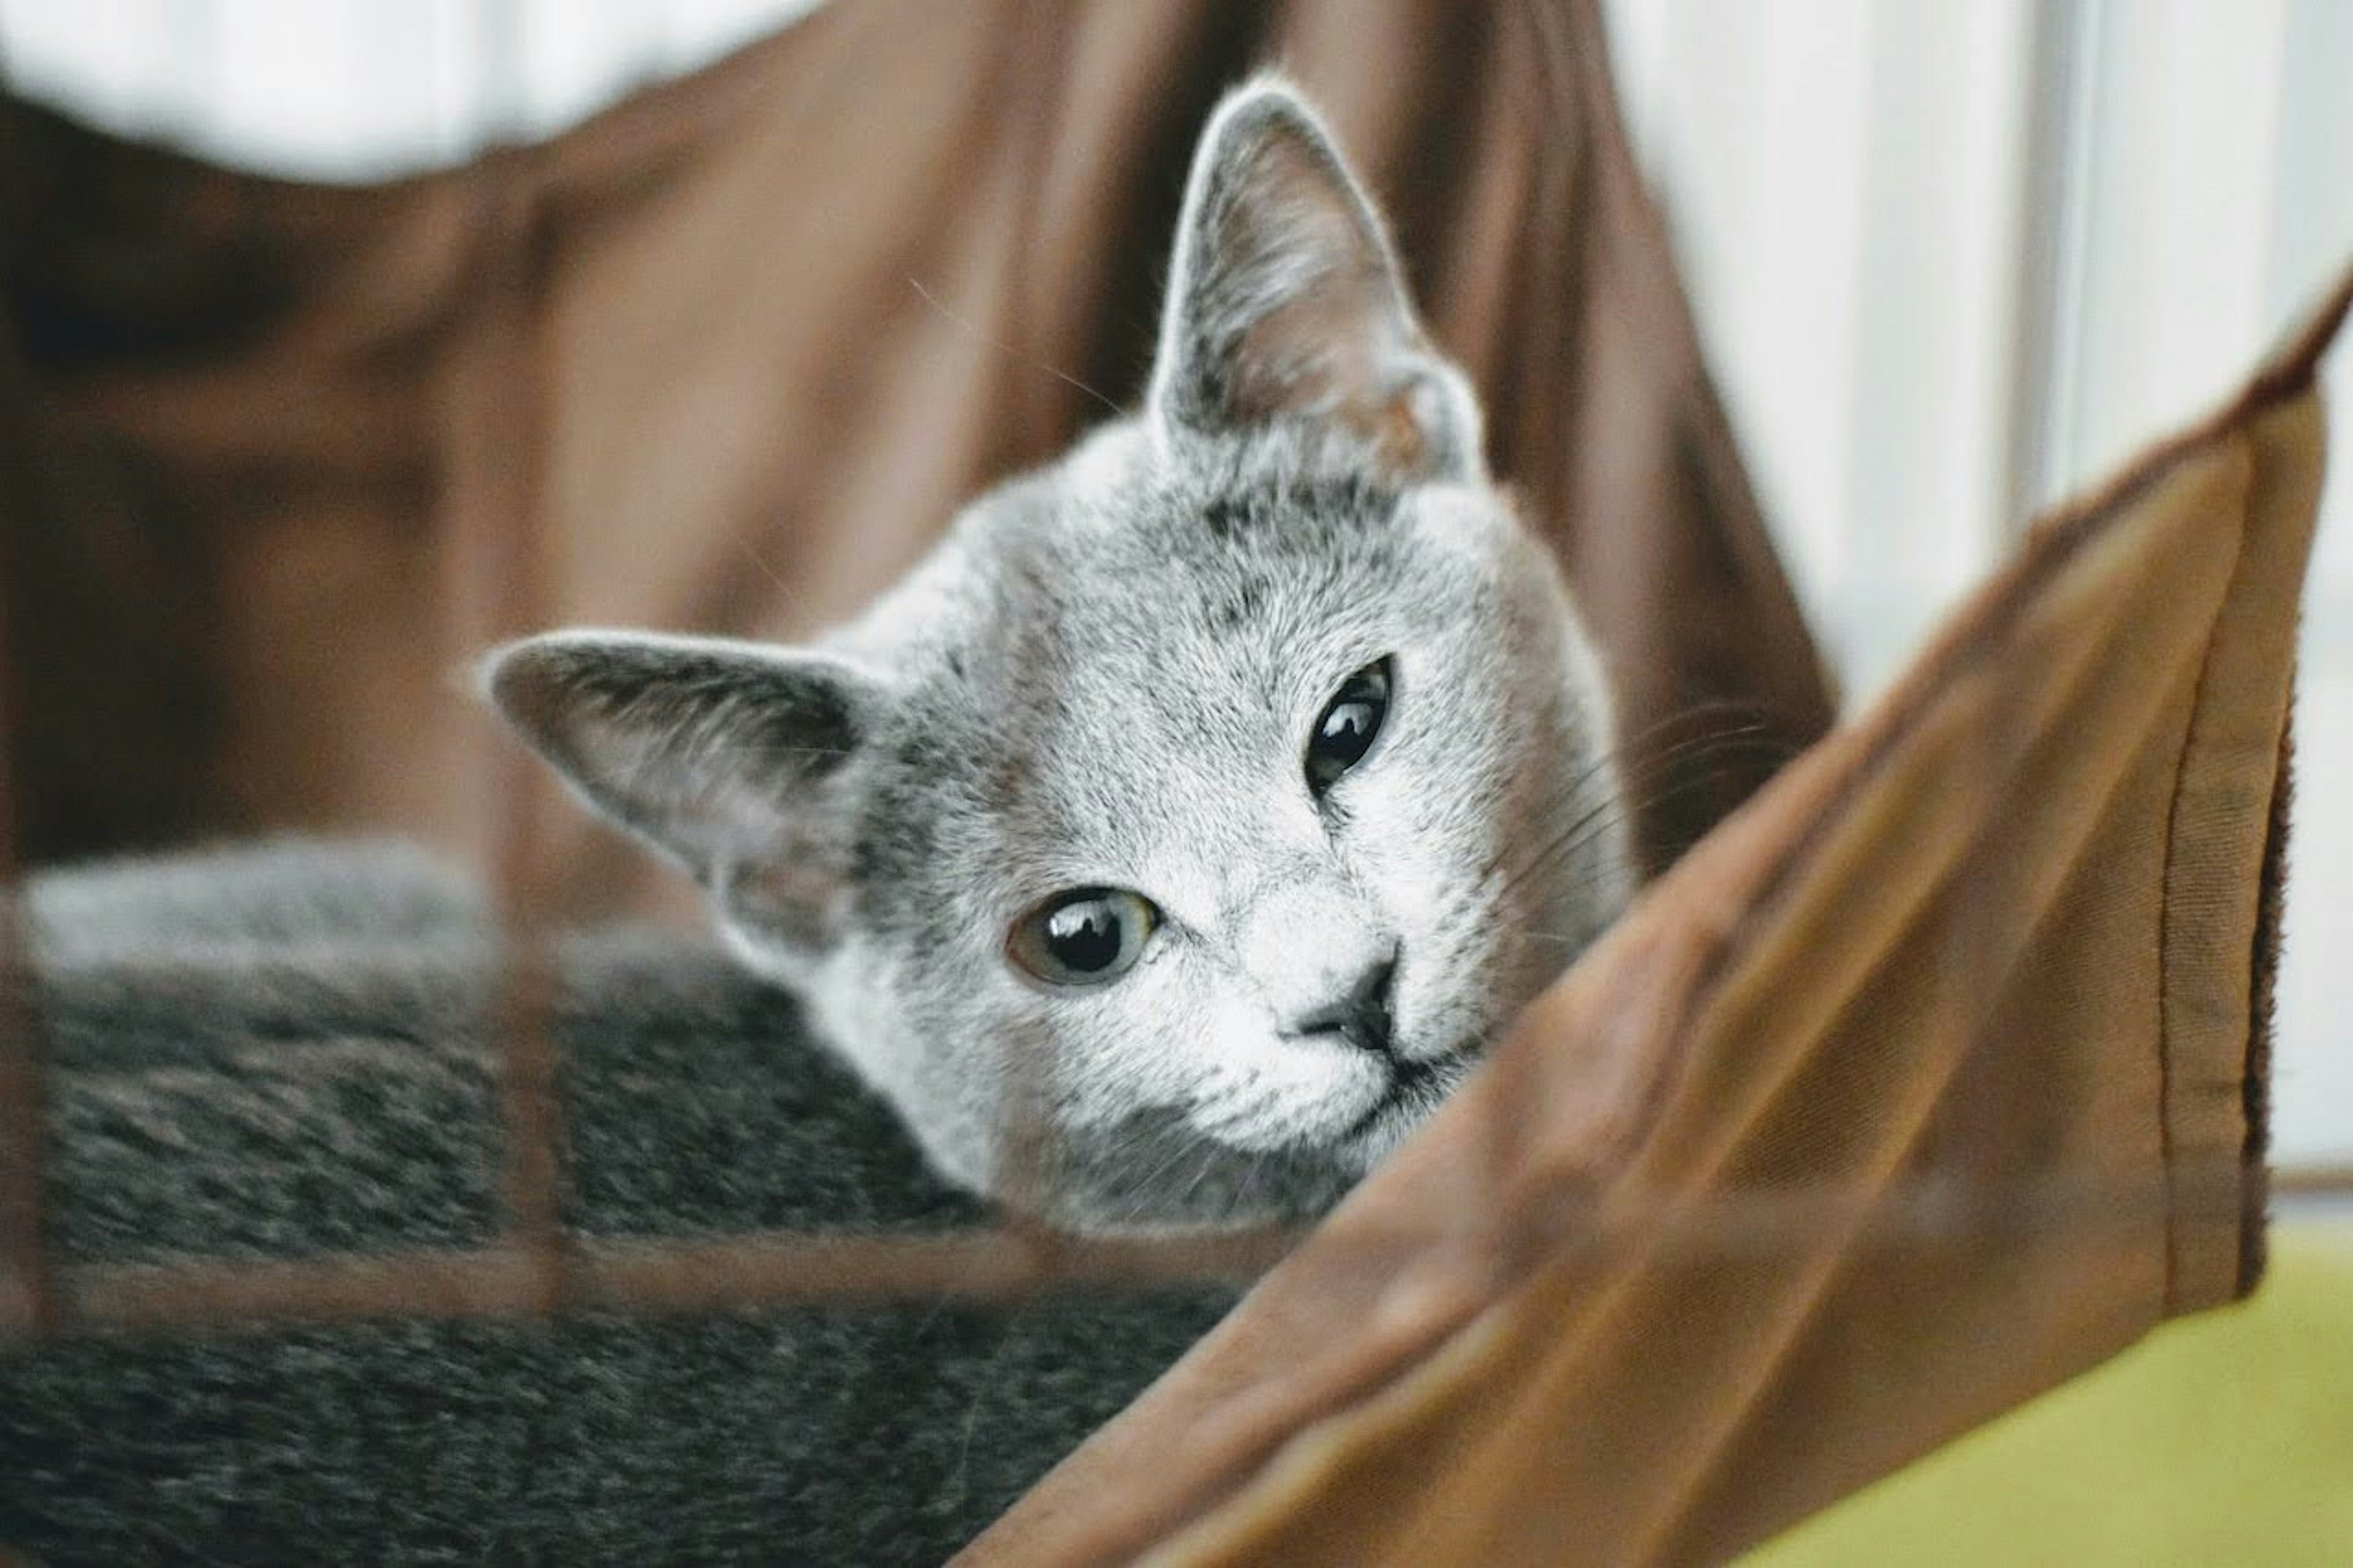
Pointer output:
x,y
1083,935
1346,731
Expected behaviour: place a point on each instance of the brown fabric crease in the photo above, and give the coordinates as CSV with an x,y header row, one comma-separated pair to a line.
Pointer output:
x,y
1921,1081
1779,1015
788,313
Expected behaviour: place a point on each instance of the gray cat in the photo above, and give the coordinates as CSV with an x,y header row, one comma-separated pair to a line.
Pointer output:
x,y
1170,841
1206,800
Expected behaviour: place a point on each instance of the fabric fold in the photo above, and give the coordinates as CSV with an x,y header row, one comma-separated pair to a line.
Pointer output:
x,y
1926,1080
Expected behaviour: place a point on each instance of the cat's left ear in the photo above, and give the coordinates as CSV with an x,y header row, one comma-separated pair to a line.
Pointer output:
x,y
739,762
1285,302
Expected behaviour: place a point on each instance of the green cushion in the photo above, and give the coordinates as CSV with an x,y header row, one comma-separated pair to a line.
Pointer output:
x,y
2225,1438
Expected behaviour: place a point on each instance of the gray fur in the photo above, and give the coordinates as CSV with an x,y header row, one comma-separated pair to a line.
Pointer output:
x,y
281,1054
1106,674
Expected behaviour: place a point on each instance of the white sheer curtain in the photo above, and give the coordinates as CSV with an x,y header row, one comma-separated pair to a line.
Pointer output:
x,y
1950,260
1953,261
361,90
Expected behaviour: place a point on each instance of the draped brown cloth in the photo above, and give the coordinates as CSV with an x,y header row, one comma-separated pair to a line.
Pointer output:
x,y
727,358
1932,1077
1929,1078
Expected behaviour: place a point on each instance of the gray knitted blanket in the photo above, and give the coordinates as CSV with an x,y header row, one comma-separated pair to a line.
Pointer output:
x,y
280,1055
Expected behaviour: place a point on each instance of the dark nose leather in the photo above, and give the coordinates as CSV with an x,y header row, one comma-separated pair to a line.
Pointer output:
x,y
1361,1018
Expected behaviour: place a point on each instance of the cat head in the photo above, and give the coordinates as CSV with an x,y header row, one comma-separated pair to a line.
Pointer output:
x,y
1172,839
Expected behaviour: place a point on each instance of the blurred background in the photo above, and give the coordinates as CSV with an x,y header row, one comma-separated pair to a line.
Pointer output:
x,y
1950,262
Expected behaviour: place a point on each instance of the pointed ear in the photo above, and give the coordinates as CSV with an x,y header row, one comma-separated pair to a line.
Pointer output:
x,y
1286,303
734,760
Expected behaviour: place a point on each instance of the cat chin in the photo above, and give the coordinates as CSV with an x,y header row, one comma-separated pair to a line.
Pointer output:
x,y
1352,1124
1411,1101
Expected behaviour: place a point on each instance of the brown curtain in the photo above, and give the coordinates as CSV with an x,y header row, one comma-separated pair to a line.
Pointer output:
x,y
727,358
1809,1143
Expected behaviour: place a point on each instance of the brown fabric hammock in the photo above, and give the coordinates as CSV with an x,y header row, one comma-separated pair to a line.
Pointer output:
x,y
1931,1079
1926,1080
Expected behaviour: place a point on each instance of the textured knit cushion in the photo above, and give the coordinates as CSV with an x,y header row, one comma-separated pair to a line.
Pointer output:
x,y
1950,1038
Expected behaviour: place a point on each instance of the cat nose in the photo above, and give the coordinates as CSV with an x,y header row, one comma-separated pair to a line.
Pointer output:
x,y
1361,1016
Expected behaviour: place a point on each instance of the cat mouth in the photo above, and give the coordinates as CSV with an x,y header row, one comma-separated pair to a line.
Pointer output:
x,y
1415,1089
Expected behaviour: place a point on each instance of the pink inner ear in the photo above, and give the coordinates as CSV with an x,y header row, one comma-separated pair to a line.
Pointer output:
x,y
1313,358
1315,321
1292,362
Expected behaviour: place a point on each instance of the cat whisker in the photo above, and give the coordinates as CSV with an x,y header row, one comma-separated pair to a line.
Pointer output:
x,y
1007,349
768,748
1170,1158
991,1378
1746,739
1552,939
1758,721
1148,1203
1201,1169
1634,777
1613,810
793,600
1248,1189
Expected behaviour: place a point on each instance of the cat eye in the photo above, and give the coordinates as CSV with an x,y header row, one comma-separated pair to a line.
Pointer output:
x,y
1347,727
1084,937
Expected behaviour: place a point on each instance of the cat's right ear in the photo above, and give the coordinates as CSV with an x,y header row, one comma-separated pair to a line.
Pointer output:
x,y
735,761
1286,304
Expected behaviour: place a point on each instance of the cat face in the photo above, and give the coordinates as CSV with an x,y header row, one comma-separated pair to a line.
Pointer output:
x,y
1174,837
